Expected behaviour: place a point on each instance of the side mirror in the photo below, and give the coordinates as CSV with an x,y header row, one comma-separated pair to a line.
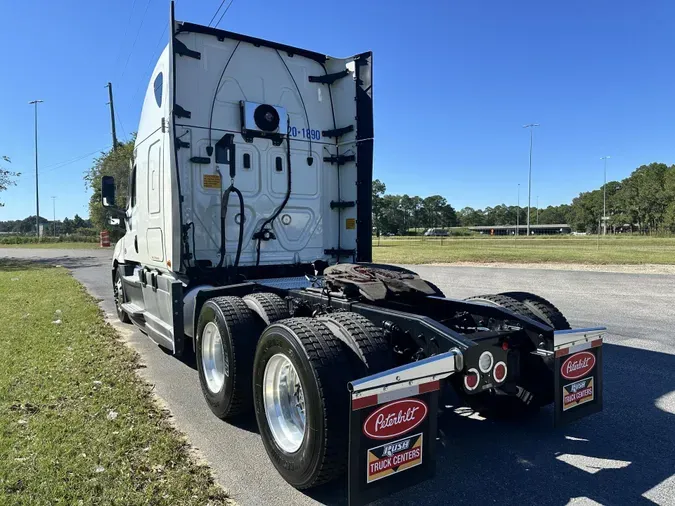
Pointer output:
x,y
108,191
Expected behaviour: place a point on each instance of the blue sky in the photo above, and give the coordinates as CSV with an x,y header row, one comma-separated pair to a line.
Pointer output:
x,y
454,83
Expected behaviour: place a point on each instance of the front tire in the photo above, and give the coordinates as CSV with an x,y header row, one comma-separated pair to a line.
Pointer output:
x,y
119,297
300,372
227,334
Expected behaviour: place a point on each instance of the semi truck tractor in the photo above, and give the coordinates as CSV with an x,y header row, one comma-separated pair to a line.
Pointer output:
x,y
248,243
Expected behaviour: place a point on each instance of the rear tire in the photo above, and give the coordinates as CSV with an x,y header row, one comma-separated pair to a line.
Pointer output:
x,y
535,384
542,308
372,351
506,302
321,365
268,306
227,334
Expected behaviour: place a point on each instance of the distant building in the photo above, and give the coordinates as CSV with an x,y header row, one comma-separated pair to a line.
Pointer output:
x,y
557,228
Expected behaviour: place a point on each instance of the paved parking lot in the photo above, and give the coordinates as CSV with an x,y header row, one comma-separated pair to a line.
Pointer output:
x,y
624,455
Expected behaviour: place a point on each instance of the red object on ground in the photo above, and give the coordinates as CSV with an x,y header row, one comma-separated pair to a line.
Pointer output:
x,y
105,239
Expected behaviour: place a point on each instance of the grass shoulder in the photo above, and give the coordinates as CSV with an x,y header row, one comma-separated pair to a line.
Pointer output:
x,y
78,425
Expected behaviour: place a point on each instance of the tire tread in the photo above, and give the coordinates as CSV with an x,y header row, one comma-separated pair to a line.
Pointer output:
x,y
241,324
367,340
507,302
548,312
329,359
272,307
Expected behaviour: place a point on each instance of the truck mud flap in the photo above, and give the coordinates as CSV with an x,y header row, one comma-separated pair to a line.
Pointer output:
x,y
392,427
577,369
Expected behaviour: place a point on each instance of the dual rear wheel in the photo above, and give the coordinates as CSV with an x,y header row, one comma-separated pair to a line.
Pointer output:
x,y
293,372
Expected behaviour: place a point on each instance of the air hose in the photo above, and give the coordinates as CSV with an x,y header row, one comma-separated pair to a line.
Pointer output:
x,y
223,215
263,233
227,143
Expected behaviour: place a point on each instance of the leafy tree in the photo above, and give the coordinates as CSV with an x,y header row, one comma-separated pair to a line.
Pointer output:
x,y
554,214
433,211
6,176
67,226
114,163
470,217
379,188
669,189
78,222
449,216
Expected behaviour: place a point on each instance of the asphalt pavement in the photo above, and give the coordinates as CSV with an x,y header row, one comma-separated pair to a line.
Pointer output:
x,y
624,455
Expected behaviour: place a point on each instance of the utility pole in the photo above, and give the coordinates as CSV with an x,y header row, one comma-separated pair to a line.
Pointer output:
x,y
54,220
529,180
518,213
604,198
37,192
112,116
537,209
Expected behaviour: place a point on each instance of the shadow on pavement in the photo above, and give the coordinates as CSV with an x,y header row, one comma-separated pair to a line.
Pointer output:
x,y
613,457
20,264
69,262
188,358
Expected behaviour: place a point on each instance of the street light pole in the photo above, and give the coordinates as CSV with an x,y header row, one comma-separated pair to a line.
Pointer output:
x,y
604,198
518,213
37,193
529,180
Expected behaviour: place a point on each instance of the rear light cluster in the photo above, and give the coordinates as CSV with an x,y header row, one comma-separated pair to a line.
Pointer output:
x,y
487,366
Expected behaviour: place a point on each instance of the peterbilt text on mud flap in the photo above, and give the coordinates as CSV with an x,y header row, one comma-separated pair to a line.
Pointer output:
x,y
248,240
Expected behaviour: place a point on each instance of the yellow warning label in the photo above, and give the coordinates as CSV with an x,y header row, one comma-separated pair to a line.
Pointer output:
x,y
212,181
350,223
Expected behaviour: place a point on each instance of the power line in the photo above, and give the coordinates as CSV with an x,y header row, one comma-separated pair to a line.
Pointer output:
x,y
216,13
121,125
124,37
149,66
59,165
133,45
223,14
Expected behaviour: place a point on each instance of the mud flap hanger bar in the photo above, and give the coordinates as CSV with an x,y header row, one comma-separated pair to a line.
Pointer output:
x,y
576,339
409,376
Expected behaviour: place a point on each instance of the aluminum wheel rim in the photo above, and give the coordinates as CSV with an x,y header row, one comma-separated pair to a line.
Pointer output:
x,y
284,403
214,358
118,292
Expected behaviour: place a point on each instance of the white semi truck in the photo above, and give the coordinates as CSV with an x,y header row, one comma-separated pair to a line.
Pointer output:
x,y
248,240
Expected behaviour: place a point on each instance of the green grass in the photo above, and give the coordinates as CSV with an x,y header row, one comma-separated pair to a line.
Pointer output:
x,y
563,249
54,245
77,425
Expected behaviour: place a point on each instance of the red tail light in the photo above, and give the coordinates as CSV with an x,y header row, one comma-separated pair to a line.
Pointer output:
x,y
471,379
499,372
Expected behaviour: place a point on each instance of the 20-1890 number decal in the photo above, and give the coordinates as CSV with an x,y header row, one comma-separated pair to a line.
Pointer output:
x,y
306,133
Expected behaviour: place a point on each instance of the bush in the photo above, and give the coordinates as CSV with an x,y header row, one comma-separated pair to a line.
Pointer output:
x,y
462,232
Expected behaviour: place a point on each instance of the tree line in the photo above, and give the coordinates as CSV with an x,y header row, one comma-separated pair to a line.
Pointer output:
x,y
643,202
76,225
